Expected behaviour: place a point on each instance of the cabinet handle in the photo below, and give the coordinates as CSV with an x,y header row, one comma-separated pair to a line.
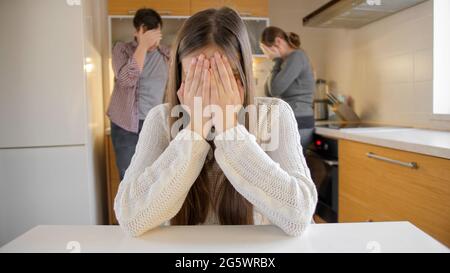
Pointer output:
x,y
245,14
331,163
412,165
165,12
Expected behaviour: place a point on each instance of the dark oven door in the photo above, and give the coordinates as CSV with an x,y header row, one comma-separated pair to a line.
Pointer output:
x,y
324,172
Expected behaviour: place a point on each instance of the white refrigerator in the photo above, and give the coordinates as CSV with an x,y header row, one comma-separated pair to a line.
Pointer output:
x,y
51,114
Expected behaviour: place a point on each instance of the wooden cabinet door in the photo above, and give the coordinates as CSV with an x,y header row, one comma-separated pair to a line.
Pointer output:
x,y
378,189
126,7
163,7
199,5
113,179
249,8
170,7
353,186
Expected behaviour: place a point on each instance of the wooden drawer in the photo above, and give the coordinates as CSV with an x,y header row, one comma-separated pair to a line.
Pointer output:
x,y
126,7
163,7
171,7
199,5
113,179
246,8
352,210
393,192
249,8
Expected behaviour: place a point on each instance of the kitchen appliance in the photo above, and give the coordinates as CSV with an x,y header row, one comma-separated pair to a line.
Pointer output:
x,y
322,160
51,116
321,100
354,14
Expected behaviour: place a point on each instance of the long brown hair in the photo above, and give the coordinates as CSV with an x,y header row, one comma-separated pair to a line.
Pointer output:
x,y
271,33
223,28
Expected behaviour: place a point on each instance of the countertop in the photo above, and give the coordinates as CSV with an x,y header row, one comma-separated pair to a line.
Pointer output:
x,y
351,237
428,142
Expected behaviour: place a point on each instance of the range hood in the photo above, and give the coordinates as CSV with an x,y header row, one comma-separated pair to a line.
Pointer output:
x,y
355,13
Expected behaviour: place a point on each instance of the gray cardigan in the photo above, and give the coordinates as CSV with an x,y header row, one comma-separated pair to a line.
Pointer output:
x,y
292,80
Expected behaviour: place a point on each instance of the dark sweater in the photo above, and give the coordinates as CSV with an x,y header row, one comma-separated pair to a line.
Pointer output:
x,y
292,80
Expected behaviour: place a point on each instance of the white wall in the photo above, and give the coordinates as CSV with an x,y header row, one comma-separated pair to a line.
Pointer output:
x,y
288,15
387,67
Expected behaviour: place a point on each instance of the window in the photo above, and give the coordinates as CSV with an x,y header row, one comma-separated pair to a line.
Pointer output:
x,y
441,52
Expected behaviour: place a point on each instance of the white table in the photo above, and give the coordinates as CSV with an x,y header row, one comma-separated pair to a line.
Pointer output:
x,y
352,237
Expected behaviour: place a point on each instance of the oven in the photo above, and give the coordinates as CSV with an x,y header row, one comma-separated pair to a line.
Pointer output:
x,y
322,160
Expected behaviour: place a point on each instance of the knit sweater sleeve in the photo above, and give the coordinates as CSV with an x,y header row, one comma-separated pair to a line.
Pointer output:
x,y
160,174
277,183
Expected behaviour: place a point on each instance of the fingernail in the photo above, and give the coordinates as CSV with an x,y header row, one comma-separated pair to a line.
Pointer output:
x,y
194,60
200,58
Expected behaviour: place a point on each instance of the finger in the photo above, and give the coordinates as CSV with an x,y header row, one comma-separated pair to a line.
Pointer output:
x,y
180,93
214,88
202,83
190,74
156,36
263,47
157,32
197,75
222,71
233,82
241,90
274,49
206,92
215,71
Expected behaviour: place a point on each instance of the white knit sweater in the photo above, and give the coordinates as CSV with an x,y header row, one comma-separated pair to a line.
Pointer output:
x,y
161,172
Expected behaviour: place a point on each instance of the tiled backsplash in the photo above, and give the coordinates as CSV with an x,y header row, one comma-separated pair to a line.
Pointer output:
x,y
387,67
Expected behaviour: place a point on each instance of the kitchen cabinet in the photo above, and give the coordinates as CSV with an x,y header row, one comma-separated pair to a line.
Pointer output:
x,y
163,7
125,7
175,12
383,184
113,179
249,8
121,29
255,28
198,5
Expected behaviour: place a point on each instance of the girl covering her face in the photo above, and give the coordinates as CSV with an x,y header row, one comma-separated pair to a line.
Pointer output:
x,y
187,178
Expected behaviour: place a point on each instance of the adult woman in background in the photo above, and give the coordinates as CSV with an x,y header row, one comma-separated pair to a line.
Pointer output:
x,y
292,77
